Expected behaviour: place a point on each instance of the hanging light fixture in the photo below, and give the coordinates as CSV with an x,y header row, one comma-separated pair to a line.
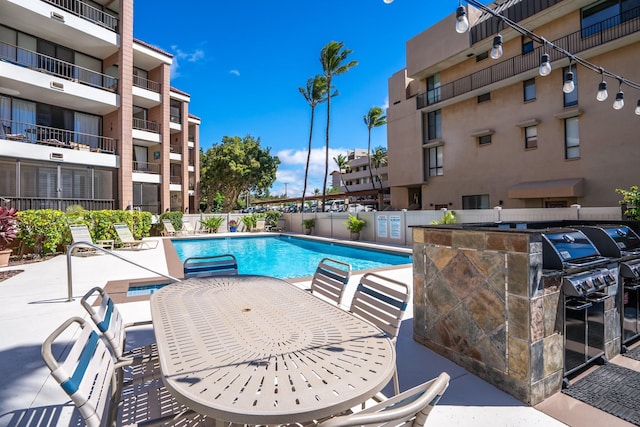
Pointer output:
x,y
638,108
569,86
619,102
545,65
496,50
602,88
462,22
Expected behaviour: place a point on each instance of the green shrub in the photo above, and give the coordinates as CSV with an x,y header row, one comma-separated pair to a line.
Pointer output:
x,y
212,223
42,231
355,224
175,217
272,217
448,218
250,221
631,200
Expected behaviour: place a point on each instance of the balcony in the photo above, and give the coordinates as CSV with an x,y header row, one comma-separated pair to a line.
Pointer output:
x,y
146,167
61,138
88,12
175,179
146,125
55,67
147,84
25,203
588,38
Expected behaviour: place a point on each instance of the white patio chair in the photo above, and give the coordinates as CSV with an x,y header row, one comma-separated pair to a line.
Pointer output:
x,y
210,266
410,408
89,376
330,279
187,228
126,239
141,362
81,233
168,229
382,301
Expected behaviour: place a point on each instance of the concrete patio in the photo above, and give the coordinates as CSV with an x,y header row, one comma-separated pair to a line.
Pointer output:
x,y
34,302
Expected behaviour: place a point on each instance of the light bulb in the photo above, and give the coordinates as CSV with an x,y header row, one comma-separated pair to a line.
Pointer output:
x,y
388,1
545,66
496,50
462,23
638,108
568,86
602,91
619,102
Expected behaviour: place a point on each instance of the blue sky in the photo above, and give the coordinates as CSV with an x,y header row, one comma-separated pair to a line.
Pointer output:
x,y
242,62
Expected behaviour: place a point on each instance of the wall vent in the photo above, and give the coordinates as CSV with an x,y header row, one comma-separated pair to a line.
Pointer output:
x,y
57,85
57,16
56,156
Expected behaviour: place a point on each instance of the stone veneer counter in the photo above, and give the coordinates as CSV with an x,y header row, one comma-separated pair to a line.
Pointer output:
x,y
482,300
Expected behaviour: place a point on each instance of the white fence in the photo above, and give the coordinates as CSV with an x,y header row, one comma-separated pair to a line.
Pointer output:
x,y
395,227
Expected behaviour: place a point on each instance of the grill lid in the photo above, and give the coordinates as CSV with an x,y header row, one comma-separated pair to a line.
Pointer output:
x,y
568,247
613,240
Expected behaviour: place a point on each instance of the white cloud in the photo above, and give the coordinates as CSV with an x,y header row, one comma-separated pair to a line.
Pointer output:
x,y
179,55
234,72
385,105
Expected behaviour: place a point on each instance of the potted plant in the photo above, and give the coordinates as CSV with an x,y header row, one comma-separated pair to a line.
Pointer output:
x,y
308,224
355,225
249,221
212,223
233,225
8,232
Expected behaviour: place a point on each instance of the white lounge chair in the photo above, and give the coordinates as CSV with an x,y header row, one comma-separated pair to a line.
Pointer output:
x,y
126,239
81,233
330,279
187,228
168,228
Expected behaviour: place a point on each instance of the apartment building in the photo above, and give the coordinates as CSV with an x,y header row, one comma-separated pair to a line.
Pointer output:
x,y
356,181
466,131
88,115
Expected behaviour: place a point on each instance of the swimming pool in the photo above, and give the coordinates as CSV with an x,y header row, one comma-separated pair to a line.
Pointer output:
x,y
287,257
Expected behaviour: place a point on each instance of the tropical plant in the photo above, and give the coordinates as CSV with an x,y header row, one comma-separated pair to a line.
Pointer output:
x,y
631,201
379,159
355,224
343,165
315,92
234,167
272,217
332,57
374,118
250,221
8,226
449,217
308,223
212,223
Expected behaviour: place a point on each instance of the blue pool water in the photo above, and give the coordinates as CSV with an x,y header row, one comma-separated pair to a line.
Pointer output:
x,y
286,257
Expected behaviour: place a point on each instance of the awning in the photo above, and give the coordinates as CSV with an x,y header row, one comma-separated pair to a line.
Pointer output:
x,y
572,187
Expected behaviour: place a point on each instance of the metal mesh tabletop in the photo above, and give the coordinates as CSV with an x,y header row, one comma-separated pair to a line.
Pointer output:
x,y
257,350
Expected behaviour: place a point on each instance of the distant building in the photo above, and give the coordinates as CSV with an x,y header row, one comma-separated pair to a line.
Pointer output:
x,y
466,131
88,113
356,182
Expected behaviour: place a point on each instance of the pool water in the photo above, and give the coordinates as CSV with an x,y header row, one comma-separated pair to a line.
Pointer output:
x,y
286,257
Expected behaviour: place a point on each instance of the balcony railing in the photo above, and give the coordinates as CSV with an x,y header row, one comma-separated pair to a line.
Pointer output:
x,y
147,125
24,203
88,12
147,84
595,35
175,179
175,149
62,138
146,167
175,119
37,61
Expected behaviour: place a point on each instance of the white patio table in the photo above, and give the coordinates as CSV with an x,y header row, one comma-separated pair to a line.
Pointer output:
x,y
258,350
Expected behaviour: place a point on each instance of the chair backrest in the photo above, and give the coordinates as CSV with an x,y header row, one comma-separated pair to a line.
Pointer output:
x,y
107,318
168,226
87,374
411,407
123,232
260,224
80,233
381,301
209,266
330,279
186,226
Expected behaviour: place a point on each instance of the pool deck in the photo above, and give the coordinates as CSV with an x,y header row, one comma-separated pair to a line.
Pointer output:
x,y
34,302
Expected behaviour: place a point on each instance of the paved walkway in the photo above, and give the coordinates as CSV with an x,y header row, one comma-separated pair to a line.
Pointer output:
x,y
34,302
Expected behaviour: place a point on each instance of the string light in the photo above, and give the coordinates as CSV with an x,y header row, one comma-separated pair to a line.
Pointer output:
x,y
496,50
462,22
638,108
545,65
568,86
602,89
619,102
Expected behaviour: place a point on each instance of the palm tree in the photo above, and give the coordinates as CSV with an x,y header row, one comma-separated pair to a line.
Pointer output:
x,y
343,165
373,119
315,92
379,159
332,58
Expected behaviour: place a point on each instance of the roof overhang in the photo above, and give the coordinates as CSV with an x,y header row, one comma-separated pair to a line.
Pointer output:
x,y
572,187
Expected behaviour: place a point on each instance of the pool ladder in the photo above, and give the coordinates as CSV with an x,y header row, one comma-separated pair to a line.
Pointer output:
x,y
108,252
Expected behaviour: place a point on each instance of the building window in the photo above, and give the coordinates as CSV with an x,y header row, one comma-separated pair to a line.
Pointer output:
x,y
484,139
531,137
433,89
477,201
571,98
572,138
432,125
482,56
175,111
484,97
527,45
436,160
529,87
606,14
